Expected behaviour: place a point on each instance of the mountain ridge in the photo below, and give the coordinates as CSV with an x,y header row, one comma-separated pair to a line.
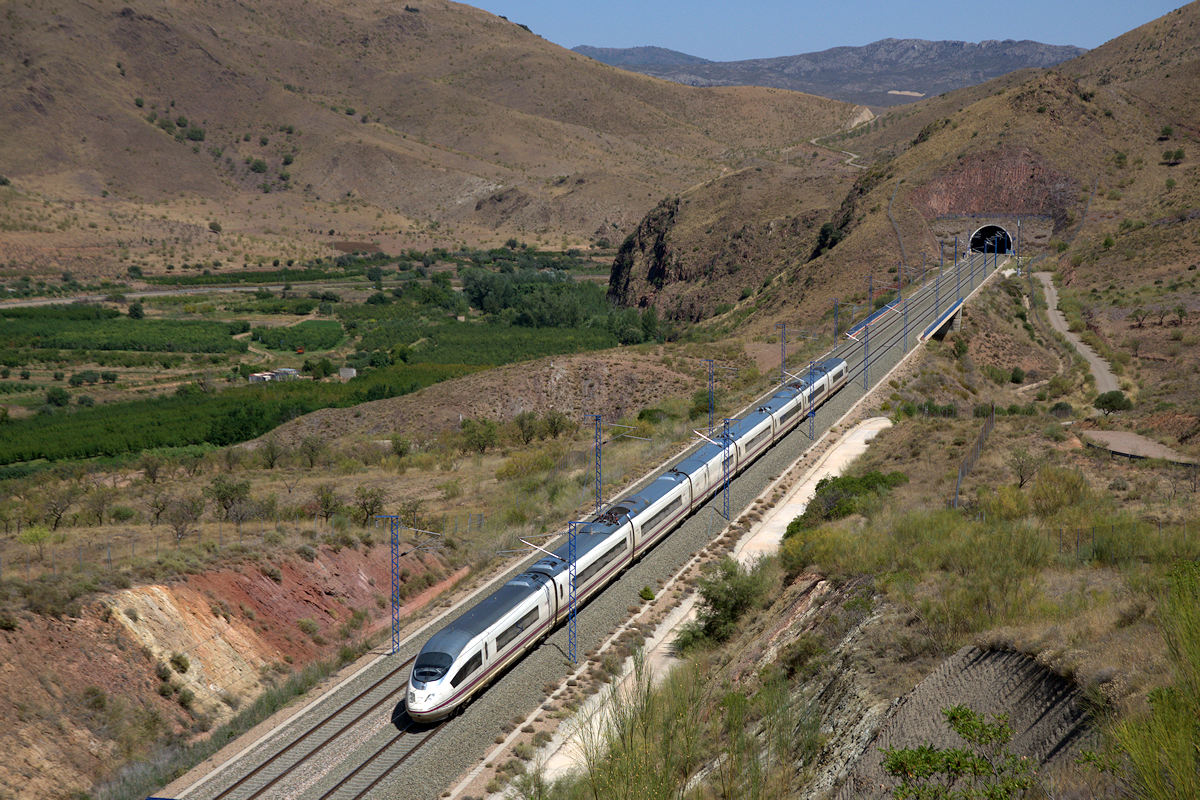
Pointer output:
x,y
861,74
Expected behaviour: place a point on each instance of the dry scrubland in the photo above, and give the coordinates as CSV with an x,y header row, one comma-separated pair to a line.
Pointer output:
x,y
419,125
1056,551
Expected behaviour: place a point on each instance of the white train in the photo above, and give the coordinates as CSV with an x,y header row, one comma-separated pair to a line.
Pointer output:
x,y
461,659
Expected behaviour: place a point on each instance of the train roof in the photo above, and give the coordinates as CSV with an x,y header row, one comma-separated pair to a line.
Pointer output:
x,y
456,635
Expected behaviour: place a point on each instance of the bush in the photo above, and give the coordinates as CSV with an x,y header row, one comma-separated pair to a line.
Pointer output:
x,y
307,626
1113,401
727,591
180,662
843,495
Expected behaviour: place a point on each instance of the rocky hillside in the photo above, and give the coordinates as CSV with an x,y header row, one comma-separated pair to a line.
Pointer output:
x,y
157,663
884,73
134,130
1095,157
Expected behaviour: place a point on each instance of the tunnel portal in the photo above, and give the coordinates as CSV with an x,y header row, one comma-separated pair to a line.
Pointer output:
x,y
989,238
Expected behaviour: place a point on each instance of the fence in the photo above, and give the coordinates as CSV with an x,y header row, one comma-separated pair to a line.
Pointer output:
x,y
143,551
968,462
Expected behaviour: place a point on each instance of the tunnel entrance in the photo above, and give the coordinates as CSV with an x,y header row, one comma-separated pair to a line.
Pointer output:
x,y
991,238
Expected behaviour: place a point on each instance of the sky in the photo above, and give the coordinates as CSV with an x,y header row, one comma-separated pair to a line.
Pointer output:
x,y
727,31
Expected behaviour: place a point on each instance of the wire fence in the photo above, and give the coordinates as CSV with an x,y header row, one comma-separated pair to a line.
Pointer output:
x,y
144,552
968,462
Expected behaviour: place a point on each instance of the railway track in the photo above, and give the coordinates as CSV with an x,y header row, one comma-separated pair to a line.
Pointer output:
x,y
372,771
418,761
317,737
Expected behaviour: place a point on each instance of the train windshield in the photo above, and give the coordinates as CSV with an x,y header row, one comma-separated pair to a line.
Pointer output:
x,y
431,667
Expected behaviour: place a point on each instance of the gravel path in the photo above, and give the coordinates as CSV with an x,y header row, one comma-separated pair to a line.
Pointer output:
x,y
1105,380
1125,443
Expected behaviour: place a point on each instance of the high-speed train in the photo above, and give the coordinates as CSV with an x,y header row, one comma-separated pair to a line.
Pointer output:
x,y
461,658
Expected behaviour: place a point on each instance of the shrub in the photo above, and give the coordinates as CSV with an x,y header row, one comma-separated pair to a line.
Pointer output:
x,y
727,591
307,553
307,626
987,767
841,496
1112,401
180,662
646,594
258,165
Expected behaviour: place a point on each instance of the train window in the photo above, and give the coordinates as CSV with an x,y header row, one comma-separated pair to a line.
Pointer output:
x,y
790,414
475,663
662,515
511,633
757,440
602,562
431,667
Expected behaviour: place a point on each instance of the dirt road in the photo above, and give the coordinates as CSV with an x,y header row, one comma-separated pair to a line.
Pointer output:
x,y
1105,380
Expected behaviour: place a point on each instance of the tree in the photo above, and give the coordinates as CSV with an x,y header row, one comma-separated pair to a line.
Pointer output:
x,y
1113,401
328,501
1139,315
227,493
1024,465
984,769
556,423
136,311
37,536
56,501
527,426
58,397
98,500
479,434
368,501
156,504
312,448
153,466
1181,313
271,450
214,226
183,513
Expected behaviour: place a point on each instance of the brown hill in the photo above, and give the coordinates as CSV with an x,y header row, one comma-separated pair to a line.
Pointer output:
x,y
1096,156
413,124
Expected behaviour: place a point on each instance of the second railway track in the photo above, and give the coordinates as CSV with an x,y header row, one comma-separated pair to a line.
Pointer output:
x,y
395,760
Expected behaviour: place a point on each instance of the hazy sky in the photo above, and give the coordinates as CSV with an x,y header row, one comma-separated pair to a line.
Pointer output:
x,y
727,31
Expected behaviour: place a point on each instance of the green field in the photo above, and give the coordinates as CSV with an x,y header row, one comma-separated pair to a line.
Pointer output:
x,y
94,328
312,334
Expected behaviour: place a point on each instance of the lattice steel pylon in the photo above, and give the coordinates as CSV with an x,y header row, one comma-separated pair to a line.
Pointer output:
x,y
572,596
783,351
596,440
712,369
726,451
395,540
395,526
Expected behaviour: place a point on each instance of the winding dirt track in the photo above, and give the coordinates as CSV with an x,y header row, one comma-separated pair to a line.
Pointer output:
x,y
1105,380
